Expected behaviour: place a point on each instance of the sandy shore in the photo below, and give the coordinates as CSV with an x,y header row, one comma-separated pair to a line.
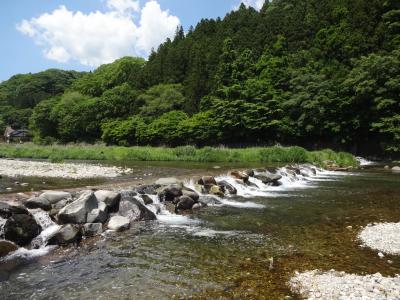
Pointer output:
x,y
340,285
384,237
14,168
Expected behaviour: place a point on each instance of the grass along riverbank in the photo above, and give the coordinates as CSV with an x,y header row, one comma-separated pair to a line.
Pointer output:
x,y
276,154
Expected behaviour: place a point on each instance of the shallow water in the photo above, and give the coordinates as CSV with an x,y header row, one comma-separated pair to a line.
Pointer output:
x,y
246,248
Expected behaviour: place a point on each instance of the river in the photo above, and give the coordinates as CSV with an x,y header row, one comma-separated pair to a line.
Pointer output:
x,y
246,248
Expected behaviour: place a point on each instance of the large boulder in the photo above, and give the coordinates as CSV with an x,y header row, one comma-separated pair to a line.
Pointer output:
x,y
267,177
110,198
7,247
226,187
191,194
184,203
169,193
134,209
38,202
54,196
77,211
92,229
99,214
7,210
67,234
207,180
150,189
21,229
118,223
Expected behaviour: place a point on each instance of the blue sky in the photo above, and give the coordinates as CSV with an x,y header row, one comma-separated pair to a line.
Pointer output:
x,y
82,34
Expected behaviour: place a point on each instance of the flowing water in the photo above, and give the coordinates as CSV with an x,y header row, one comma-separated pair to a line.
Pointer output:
x,y
244,247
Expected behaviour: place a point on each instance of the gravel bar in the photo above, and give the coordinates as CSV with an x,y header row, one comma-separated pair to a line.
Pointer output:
x,y
384,237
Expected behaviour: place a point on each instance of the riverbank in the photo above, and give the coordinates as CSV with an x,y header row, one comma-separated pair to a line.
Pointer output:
x,y
276,154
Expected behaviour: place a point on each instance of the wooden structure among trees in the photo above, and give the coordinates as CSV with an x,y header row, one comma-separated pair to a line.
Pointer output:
x,y
19,135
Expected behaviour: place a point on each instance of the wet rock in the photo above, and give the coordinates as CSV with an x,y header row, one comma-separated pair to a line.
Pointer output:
x,y
62,203
209,200
199,188
146,199
7,210
240,175
99,214
207,180
77,211
185,203
198,206
296,170
216,190
38,202
396,169
267,177
168,181
7,247
134,209
249,173
226,187
21,229
191,194
150,189
54,196
110,198
66,235
170,193
118,223
92,229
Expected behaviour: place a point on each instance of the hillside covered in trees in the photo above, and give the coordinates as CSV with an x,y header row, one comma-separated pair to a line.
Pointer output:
x,y
315,73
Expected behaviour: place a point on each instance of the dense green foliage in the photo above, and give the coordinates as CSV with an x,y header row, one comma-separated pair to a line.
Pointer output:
x,y
186,153
317,73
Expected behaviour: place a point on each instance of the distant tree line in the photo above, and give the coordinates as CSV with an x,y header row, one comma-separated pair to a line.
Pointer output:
x,y
315,73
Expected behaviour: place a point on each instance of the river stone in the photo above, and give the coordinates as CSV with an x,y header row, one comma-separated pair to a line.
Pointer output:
x,y
169,193
227,187
7,247
134,209
7,210
146,199
55,196
21,229
185,203
38,202
240,175
118,223
216,190
168,181
267,177
150,189
99,214
396,169
191,194
67,234
110,198
207,180
92,229
77,211
62,203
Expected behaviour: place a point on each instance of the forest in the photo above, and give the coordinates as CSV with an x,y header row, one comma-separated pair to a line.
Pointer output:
x,y
313,73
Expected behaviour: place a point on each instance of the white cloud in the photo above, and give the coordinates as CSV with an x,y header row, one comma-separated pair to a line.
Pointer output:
x,y
257,4
100,37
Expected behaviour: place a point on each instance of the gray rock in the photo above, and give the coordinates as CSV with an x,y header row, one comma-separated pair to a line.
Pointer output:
x,y
7,247
191,194
118,223
92,229
146,199
134,209
150,189
267,177
208,200
67,234
185,203
110,198
396,169
99,214
226,187
21,229
7,210
216,190
169,193
62,203
207,180
55,196
168,181
77,211
38,202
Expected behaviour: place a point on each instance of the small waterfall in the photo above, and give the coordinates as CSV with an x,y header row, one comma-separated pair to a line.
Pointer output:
x,y
2,223
49,228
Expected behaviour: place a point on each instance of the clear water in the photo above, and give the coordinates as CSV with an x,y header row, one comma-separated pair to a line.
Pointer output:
x,y
233,250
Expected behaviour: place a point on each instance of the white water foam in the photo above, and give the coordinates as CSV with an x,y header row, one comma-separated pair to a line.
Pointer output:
x,y
2,223
26,254
364,162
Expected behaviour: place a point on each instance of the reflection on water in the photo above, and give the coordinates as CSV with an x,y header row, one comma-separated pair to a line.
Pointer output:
x,y
230,251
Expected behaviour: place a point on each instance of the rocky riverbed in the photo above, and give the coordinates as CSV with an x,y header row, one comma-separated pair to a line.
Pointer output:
x,y
384,237
14,168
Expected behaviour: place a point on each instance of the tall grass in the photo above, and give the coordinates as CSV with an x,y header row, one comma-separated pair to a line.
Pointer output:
x,y
274,154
